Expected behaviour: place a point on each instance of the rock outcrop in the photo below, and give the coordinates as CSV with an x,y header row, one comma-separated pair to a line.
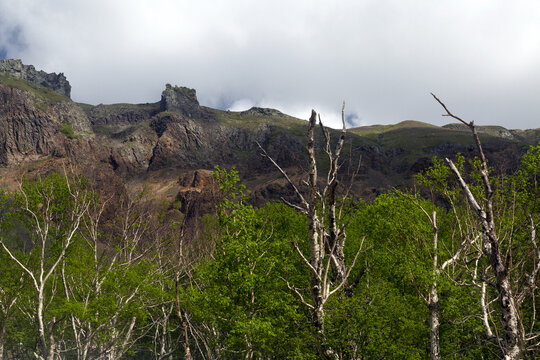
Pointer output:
x,y
181,100
26,131
53,81
199,192
122,114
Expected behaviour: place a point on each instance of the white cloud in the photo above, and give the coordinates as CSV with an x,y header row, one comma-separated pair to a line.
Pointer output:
x,y
242,105
382,56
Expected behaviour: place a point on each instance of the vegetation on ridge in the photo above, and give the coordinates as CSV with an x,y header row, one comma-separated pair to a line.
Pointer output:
x,y
48,96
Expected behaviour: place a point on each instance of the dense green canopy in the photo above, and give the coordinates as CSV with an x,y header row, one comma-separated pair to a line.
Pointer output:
x,y
130,287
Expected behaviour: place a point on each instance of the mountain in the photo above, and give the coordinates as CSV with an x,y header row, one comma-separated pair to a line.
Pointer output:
x,y
169,147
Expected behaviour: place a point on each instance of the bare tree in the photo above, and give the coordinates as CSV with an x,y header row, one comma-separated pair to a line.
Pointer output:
x,y
513,340
109,264
433,299
327,237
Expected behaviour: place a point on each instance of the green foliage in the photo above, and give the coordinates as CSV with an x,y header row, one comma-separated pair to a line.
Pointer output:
x,y
67,131
90,293
243,294
515,208
46,96
235,292
388,313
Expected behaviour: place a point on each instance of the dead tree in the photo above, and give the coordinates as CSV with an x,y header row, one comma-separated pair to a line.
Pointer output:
x,y
433,299
513,340
327,238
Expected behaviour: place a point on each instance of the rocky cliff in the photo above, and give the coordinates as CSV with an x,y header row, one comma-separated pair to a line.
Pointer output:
x,y
34,124
53,81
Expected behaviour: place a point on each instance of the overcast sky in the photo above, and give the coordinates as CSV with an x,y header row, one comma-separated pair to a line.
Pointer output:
x,y
482,57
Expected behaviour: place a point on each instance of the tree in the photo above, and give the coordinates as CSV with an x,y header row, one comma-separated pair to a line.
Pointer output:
x,y
327,236
13,278
498,251
109,286
86,292
385,317
55,209
238,291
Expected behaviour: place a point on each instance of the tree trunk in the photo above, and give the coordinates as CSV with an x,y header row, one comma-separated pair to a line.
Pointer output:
x,y
335,249
316,250
434,323
187,349
326,248
183,322
2,334
317,246
512,344
41,326
433,304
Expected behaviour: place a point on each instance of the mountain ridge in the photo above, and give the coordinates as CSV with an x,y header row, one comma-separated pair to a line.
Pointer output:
x,y
158,144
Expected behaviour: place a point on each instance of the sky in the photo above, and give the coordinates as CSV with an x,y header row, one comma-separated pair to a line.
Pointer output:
x,y
382,57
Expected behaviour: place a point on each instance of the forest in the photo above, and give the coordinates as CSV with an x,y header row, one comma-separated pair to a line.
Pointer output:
x,y
447,269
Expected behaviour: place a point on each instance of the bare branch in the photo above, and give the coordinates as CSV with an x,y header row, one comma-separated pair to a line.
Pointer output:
x,y
484,306
339,145
298,193
531,278
466,189
306,261
448,113
462,248
350,268
296,207
302,300
20,264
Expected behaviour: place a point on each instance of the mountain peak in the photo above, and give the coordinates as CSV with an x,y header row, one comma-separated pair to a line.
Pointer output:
x,y
182,100
53,81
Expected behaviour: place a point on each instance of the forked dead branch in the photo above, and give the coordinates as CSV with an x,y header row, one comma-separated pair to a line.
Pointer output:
x,y
327,236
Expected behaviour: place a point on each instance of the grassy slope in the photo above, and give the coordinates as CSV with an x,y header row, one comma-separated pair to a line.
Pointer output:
x,y
44,94
117,109
415,136
250,120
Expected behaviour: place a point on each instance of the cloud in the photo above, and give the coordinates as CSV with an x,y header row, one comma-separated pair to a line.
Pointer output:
x,y
241,105
383,57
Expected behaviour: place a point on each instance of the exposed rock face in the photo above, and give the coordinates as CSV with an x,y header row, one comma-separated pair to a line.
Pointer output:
x,y
198,195
26,132
262,111
199,192
69,113
122,114
188,144
181,100
33,126
53,81
131,153
180,143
